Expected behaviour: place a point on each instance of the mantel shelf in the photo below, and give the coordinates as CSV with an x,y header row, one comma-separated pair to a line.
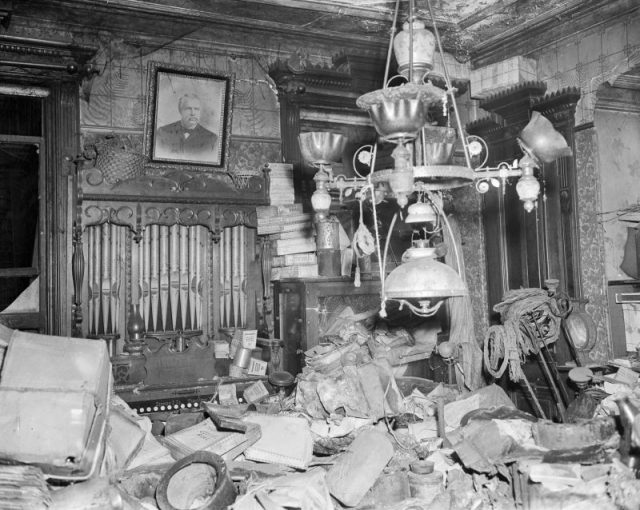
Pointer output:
x,y
180,187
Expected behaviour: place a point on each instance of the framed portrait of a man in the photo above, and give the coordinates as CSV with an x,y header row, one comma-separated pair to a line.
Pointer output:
x,y
188,117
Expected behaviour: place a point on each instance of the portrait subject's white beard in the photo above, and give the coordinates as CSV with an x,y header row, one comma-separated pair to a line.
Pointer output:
x,y
191,123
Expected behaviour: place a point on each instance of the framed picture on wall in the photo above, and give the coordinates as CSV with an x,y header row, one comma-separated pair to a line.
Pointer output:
x,y
188,118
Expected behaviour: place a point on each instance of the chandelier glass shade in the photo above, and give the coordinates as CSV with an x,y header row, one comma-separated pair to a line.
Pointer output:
x,y
398,120
423,279
414,47
541,142
321,147
421,212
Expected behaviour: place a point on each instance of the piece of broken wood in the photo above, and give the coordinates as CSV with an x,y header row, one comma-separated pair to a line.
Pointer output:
x,y
356,470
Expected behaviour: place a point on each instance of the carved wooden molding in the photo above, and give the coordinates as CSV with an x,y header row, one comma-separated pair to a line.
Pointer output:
x,y
490,126
513,103
177,186
64,60
233,216
137,217
560,109
299,81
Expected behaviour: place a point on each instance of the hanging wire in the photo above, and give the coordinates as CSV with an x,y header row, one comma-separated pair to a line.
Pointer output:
x,y
371,188
390,50
445,221
447,80
383,265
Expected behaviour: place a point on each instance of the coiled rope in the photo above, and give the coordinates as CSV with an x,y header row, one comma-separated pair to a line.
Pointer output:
x,y
530,319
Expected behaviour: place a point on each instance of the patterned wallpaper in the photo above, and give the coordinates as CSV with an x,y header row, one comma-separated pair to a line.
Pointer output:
x,y
591,241
116,100
466,209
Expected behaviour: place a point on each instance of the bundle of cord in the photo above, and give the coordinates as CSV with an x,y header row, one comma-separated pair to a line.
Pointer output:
x,y
530,319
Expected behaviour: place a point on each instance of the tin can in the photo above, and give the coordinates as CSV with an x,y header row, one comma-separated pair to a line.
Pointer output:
x,y
329,262
328,234
242,357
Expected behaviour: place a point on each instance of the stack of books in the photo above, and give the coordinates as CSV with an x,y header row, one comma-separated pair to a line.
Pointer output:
x,y
290,231
281,190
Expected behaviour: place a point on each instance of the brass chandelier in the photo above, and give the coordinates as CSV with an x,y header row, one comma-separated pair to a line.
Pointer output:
x,y
422,163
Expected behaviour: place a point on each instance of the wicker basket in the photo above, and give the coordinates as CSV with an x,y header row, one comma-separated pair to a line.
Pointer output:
x,y
117,160
242,178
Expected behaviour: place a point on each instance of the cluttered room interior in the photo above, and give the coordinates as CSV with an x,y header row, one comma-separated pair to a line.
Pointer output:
x,y
319,254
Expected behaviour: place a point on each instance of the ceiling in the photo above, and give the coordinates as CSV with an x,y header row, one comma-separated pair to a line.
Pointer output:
x,y
446,11
466,26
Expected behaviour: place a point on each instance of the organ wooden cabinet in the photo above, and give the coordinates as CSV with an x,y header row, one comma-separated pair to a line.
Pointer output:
x,y
305,309
176,253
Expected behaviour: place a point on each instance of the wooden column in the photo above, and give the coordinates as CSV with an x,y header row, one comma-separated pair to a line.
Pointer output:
x,y
62,126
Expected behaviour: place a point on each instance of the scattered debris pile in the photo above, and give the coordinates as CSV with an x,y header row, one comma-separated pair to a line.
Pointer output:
x,y
352,434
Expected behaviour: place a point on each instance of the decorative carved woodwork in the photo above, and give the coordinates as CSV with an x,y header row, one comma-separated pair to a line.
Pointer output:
x,y
138,216
176,244
20,57
65,61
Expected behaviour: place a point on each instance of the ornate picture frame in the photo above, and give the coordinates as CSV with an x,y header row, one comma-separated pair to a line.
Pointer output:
x,y
188,118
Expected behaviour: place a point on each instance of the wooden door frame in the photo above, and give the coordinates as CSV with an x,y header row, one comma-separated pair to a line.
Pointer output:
x,y
56,68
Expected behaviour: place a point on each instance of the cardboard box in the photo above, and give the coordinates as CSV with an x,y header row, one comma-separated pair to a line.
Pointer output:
x,y
54,393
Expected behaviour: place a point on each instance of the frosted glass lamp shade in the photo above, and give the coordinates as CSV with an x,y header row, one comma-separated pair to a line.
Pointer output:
x,y
424,278
321,147
424,44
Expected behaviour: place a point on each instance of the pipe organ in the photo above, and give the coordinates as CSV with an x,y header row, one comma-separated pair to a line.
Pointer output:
x,y
161,277
168,269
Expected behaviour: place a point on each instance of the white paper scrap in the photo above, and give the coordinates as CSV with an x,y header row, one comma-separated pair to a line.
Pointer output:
x,y
221,349
256,392
257,367
249,338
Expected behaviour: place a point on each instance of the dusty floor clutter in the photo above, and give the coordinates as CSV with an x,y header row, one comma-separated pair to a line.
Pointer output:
x,y
350,434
